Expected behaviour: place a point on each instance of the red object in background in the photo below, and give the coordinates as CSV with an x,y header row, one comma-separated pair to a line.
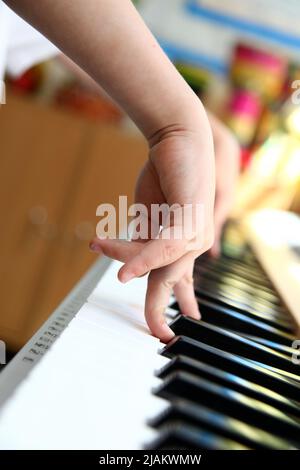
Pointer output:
x,y
261,71
243,114
89,104
29,82
263,59
245,103
246,155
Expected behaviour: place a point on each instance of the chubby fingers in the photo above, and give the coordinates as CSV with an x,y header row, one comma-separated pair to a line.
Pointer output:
x,y
161,283
121,250
177,276
158,253
185,294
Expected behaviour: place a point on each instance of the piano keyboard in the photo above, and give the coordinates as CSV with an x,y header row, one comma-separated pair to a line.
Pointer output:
x,y
224,382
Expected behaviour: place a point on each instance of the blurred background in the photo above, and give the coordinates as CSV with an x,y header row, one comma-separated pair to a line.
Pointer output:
x,y
65,147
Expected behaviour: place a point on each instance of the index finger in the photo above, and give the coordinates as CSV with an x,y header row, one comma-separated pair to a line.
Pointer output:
x,y
154,254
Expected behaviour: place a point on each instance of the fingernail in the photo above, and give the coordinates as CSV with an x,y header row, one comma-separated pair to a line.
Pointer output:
x,y
95,247
168,334
198,313
194,316
126,277
215,250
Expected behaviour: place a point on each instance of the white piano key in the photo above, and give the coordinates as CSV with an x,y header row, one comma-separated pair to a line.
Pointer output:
x,y
92,390
171,312
132,293
101,316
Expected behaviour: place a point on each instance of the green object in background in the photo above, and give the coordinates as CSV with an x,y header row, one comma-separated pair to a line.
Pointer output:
x,y
197,78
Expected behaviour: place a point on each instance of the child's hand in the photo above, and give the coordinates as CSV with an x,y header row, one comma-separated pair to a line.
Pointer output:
x,y
122,56
180,170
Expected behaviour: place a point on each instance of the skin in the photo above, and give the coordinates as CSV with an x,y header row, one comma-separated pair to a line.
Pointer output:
x,y
118,51
227,157
227,160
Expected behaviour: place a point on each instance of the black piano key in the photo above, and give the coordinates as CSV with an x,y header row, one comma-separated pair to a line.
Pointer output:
x,y
228,318
232,381
238,406
228,295
238,269
241,286
238,298
178,435
287,350
244,368
213,294
285,325
232,270
215,271
231,342
244,256
244,286
252,361
282,325
286,374
252,272
197,415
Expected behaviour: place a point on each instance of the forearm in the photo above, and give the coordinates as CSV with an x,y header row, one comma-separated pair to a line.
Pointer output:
x,y
109,40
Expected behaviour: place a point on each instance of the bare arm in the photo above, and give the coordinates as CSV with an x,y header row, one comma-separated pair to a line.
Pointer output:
x,y
109,40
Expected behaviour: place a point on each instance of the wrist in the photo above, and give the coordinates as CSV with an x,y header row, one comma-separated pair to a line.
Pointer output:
x,y
190,119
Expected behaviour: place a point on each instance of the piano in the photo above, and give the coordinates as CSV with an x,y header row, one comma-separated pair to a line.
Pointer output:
x,y
94,378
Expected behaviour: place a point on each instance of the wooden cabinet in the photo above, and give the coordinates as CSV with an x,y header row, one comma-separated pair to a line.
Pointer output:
x,y
55,169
